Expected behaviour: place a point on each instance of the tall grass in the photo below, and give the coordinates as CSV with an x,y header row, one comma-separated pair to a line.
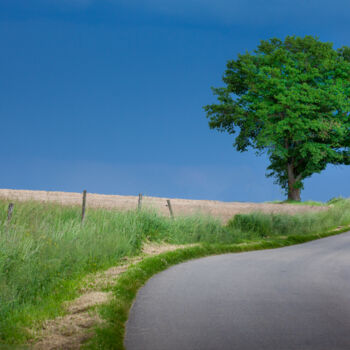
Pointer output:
x,y
266,225
45,251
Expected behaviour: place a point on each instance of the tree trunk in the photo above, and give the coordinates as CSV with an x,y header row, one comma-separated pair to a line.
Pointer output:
x,y
293,193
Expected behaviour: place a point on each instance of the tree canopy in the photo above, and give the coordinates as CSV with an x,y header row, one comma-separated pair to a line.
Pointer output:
x,y
289,99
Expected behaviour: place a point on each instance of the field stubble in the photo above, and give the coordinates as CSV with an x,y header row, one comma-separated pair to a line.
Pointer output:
x,y
222,210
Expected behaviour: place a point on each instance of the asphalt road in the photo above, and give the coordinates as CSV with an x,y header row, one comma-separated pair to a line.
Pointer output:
x,y
293,298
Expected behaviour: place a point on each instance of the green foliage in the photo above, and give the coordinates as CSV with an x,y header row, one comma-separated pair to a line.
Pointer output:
x,y
46,251
115,314
184,229
267,225
336,200
290,99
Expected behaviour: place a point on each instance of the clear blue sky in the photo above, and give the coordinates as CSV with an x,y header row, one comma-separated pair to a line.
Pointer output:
x,y
107,95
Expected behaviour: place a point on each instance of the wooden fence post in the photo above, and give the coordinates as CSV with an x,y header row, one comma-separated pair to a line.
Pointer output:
x,y
83,207
139,205
9,212
170,208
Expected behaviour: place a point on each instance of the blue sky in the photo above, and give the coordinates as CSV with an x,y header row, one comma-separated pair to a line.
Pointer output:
x,y
107,95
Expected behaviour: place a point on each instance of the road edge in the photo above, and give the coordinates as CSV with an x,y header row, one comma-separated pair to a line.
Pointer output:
x,y
115,314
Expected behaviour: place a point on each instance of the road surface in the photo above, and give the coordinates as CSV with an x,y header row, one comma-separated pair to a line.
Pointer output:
x,y
293,298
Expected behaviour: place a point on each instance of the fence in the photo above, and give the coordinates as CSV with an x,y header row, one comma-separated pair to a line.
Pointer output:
x,y
83,207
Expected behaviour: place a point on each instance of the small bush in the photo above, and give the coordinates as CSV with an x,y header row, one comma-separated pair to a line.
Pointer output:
x,y
336,200
265,225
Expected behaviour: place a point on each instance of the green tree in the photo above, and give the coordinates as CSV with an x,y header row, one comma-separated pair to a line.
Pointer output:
x,y
289,99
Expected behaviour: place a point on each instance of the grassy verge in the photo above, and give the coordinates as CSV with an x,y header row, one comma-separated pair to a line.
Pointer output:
x,y
260,225
45,252
288,201
310,202
111,335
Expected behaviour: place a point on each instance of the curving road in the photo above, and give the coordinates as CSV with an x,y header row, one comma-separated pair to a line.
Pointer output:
x,y
293,298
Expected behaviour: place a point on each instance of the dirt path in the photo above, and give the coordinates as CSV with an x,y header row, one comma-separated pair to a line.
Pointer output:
x,y
222,210
69,332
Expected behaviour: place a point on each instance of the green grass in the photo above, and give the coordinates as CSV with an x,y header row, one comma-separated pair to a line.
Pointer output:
x,y
111,335
288,201
310,202
45,252
261,225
